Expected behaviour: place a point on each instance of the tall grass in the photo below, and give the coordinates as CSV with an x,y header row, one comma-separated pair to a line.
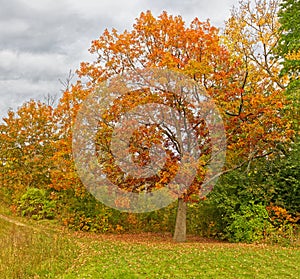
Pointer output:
x,y
30,253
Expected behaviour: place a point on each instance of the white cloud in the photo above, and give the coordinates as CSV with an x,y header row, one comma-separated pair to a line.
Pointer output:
x,y
32,66
13,27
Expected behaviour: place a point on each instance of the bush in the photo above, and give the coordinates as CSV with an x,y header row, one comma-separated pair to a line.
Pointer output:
x,y
249,224
285,226
36,204
261,200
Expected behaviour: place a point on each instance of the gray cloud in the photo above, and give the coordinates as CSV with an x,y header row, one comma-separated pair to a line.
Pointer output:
x,y
40,41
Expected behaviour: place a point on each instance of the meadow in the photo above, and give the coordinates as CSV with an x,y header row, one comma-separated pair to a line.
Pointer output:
x,y
30,249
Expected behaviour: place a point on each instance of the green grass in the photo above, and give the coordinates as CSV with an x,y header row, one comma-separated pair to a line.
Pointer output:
x,y
115,259
42,251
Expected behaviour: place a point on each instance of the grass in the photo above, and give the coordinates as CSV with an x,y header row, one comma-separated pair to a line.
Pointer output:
x,y
26,252
152,258
43,251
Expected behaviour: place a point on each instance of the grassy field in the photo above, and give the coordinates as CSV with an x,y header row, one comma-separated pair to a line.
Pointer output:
x,y
48,251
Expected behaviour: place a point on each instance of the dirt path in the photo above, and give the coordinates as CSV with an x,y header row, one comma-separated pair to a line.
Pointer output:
x,y
13,221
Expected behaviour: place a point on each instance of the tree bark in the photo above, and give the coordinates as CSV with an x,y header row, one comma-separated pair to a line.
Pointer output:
x,y
180,226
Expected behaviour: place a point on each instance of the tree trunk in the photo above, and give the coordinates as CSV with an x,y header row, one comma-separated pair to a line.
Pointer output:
x,y
180,226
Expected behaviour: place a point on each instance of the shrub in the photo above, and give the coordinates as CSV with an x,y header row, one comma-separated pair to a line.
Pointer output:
x,y
36,204
284,225
249,224
80,222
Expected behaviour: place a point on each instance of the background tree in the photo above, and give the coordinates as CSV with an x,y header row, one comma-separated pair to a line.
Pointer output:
x,y
26,148
288,50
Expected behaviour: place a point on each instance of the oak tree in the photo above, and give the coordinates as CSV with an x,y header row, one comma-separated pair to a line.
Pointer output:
x,y
244,85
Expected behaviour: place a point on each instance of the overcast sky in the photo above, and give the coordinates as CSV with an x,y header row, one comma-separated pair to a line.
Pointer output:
x,y
41,40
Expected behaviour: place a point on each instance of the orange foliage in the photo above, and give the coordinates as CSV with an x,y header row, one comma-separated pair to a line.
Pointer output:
x,y
26,147
250,103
